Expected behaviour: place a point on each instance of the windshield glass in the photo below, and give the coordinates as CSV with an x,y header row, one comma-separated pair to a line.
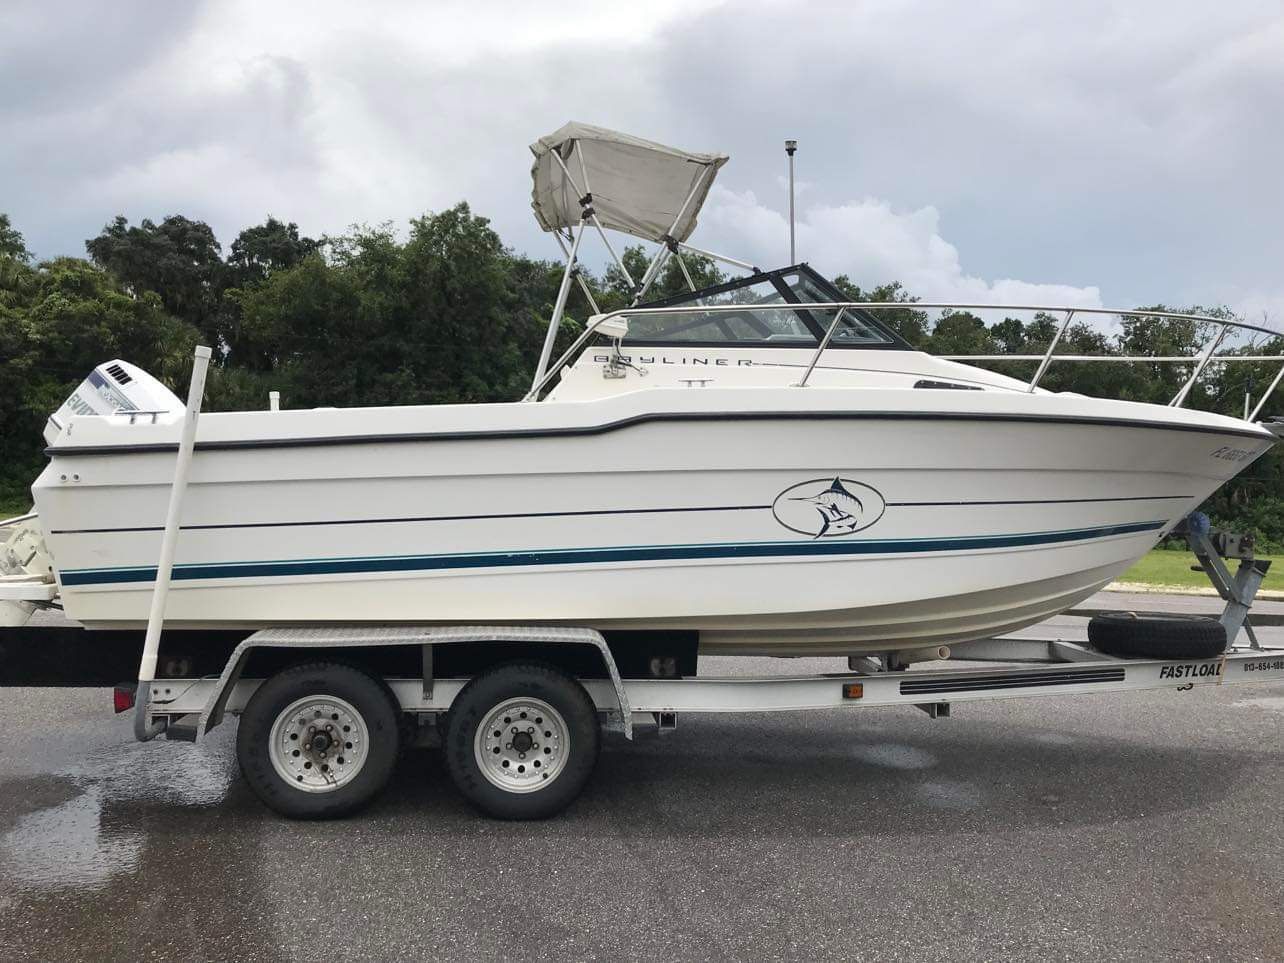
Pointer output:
x,y
759,322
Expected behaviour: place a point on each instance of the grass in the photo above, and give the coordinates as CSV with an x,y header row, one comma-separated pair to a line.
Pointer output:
x,y
1168,567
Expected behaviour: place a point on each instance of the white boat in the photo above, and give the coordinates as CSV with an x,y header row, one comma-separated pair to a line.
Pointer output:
x,y
759,463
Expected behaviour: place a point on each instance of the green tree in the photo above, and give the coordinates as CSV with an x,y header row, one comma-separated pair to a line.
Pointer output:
x,y
960,332
14,263
179,259
58,321
12,246
271,246
1142,335
255,255
668,283
445,317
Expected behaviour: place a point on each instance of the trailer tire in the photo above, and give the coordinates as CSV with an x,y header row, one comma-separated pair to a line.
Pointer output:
x,y
319,740
1157,637
522,740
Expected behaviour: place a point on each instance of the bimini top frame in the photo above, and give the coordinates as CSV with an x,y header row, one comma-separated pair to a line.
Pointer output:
x,y
590,176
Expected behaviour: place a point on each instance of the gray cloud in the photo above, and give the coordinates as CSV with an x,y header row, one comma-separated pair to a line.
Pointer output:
x,y
56,56
1131,148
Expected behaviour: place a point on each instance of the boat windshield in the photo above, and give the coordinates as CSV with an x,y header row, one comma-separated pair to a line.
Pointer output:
x,y
759,323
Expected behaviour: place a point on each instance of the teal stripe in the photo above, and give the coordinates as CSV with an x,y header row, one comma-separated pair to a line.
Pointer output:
x,y
565,556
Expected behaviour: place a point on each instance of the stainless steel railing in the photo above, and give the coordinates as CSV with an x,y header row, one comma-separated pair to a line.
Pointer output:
x,y
839,308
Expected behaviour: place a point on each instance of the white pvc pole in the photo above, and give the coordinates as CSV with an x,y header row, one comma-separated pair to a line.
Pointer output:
x,y
165,565
274,401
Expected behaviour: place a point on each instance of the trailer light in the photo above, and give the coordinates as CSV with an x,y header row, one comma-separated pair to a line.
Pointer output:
x,y
122,698
853,690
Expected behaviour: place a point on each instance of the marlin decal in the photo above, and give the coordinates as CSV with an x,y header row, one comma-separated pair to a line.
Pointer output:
x,y
839,509
828,507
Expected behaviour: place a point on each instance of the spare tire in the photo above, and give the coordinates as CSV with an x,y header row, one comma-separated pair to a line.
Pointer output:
x,y
1157,636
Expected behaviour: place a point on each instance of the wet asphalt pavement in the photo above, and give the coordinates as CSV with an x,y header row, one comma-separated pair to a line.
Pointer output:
x,y
1130,826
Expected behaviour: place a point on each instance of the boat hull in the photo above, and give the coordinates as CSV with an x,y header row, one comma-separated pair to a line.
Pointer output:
x,y
768,531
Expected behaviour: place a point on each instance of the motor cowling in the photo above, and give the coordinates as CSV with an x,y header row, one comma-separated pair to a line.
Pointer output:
x,y
112,387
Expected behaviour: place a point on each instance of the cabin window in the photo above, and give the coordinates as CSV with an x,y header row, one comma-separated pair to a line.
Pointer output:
x,y
759,323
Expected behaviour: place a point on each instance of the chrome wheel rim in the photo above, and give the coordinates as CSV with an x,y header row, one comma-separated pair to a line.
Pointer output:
x,y
522,745
319,743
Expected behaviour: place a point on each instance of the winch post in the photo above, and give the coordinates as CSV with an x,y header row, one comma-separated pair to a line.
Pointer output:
x,y
1237,590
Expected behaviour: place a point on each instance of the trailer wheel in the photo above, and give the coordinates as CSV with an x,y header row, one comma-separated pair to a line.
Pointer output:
x,y
318,740
1157,637
521,741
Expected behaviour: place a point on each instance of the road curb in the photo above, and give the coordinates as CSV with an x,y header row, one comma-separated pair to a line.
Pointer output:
x,y
1146,588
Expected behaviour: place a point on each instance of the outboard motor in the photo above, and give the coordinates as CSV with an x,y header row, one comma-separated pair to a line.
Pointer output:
x,y
116,386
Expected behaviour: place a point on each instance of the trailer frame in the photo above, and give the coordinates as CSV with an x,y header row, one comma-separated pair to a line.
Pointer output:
x,y
995,669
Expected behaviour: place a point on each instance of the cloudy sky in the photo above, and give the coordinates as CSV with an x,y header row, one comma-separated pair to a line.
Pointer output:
x,y
1063,153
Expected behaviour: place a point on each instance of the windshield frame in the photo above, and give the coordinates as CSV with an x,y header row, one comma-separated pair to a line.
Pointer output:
x,y
816,326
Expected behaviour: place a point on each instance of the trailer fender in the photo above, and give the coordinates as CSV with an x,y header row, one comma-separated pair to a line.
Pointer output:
x,y
317,639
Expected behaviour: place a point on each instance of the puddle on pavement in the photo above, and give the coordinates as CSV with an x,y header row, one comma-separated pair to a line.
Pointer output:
x,y
66,846
174,775
67,837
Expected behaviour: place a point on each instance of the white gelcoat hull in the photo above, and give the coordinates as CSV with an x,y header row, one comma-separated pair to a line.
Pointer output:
x,y
989,524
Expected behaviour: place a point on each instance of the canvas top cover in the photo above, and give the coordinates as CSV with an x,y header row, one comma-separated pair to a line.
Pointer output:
x,y
637,186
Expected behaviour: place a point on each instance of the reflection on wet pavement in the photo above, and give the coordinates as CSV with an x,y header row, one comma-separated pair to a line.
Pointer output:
x,y
100,835
66,846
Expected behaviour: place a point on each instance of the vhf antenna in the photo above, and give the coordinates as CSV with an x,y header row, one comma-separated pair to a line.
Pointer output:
x,y
790,147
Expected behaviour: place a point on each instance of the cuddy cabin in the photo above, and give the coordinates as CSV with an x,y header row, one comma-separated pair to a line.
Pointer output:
x,y
761,347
